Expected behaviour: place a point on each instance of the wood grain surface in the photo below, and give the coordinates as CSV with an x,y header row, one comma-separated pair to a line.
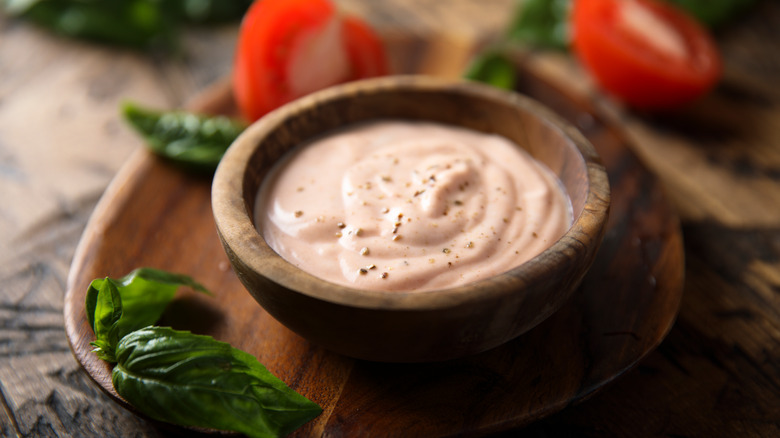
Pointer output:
x,y
717,372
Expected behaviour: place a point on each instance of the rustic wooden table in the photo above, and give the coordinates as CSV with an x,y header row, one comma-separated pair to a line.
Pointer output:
x,y
716,374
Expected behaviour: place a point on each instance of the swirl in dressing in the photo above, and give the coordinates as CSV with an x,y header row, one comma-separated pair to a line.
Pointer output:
x,y
394,205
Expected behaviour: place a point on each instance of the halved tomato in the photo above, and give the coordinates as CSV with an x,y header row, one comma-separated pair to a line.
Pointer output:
x,y
647,53
289,48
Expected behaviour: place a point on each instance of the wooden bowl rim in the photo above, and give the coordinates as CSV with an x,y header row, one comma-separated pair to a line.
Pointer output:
x,y
239,235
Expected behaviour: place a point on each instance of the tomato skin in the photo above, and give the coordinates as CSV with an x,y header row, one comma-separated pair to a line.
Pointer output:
x,y
629,66
271,31
266,36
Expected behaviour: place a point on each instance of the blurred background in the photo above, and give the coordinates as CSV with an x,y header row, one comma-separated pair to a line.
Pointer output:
x,y
62,139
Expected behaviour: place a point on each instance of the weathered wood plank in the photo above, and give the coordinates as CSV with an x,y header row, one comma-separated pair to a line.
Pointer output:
x,y
44,391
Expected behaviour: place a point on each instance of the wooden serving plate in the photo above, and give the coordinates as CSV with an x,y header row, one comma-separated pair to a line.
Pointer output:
x,y
155,215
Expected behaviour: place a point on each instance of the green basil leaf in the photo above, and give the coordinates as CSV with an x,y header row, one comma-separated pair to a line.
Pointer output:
x,y
493,68
116,307
713,13
194,141
135,23
107,306
541,23
208,11
148,276
195,380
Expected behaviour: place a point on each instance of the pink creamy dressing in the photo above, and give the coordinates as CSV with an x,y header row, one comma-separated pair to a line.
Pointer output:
x,y
394,205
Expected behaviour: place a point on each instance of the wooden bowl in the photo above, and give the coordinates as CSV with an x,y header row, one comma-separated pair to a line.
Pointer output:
x,y
412,326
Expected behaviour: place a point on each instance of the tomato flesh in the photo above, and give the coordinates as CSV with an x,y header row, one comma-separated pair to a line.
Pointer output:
x,y
288,48
647,53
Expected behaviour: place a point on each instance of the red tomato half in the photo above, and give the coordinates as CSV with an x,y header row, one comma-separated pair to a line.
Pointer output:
x,y
647,53
289,48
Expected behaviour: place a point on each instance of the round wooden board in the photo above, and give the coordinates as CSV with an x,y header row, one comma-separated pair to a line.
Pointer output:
x,y
155,215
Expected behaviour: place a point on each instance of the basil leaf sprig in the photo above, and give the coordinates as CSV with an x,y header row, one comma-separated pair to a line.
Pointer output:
x,y
116,307
493,68
194,141
194,380
714,14
535,23
207,11
105,320
541,23
180,377
134,23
